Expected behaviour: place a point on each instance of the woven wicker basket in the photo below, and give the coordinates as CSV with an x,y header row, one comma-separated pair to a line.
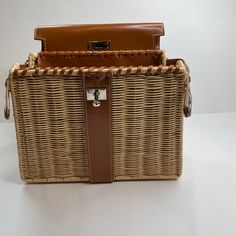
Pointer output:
x,y
147,120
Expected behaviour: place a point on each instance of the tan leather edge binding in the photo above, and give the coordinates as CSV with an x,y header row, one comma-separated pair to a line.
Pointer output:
x,y
98,126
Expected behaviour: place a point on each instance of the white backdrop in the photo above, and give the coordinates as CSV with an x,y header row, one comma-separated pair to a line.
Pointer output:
x,y
200,31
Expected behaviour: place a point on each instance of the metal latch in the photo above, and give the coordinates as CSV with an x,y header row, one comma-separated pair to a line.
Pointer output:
x,y
99,45
96,95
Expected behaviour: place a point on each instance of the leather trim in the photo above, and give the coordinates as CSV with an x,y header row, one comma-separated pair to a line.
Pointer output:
x,y
132,36
98,126
100,58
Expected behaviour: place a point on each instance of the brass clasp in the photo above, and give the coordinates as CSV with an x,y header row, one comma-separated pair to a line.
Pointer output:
x,y
99,45
96,95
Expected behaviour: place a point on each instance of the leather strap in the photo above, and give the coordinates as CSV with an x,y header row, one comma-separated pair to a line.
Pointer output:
x,y
98,122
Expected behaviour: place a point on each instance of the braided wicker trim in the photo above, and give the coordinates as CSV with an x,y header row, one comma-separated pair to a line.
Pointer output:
x,y
180,69
102,53
106,71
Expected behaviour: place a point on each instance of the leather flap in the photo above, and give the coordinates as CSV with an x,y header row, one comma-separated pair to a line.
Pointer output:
x,y
133,36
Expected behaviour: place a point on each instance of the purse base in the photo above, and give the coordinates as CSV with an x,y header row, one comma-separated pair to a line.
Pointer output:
x,y
86,179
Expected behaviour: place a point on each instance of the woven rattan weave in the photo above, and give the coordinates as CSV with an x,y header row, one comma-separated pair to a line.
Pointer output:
x,y
147,121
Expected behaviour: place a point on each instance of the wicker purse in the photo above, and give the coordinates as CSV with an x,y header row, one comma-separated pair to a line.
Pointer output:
x,y
99,103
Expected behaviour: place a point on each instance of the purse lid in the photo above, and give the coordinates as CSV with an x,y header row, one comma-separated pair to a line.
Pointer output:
x,y
131,36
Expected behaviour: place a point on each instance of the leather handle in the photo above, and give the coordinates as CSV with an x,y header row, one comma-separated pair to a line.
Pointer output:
x,y
187,107
7,100
187,98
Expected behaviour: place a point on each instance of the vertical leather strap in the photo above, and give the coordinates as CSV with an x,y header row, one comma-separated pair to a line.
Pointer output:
x,y
98,122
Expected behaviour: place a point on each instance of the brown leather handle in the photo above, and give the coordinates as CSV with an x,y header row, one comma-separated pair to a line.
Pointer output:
x,y
187,109
7,100
188,94
187,99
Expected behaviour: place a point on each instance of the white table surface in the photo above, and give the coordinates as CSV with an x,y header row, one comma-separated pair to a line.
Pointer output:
x,y
201,203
